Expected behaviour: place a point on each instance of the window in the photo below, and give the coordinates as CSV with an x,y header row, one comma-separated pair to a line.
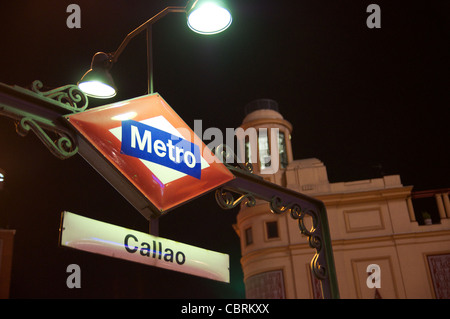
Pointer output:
x,y
248,236
264,148
267,285
248,150
272,230
438,265
264,151
282,150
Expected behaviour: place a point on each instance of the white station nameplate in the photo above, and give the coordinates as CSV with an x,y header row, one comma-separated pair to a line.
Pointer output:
x,y
97,237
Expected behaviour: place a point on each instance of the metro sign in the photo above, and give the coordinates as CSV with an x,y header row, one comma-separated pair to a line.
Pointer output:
x,y
146,151
165,149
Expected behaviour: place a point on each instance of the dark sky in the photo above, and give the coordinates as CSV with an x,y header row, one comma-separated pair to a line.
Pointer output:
x,y
357,98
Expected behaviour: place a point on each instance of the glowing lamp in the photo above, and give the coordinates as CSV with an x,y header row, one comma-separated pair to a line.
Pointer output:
x,y
208,16
97,81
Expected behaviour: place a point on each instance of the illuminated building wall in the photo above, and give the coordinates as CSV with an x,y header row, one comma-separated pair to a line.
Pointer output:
x,y
371,222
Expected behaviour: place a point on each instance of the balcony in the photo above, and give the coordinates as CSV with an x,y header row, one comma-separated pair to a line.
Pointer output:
x,y
434,204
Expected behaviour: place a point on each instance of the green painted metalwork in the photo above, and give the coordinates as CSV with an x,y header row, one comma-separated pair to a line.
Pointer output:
x,y
41,112
226,199
62,148
282,200
69,96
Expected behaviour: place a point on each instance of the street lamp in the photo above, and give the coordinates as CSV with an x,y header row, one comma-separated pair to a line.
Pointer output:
x,y
98,82
203,16
207,17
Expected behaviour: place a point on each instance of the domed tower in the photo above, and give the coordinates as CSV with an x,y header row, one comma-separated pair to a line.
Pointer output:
x,y
267,140
265,238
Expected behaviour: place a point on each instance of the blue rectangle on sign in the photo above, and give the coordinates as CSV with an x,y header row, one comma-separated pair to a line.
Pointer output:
x,y
157,146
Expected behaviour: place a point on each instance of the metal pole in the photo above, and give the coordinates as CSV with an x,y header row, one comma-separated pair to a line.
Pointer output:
x,y
143,27
149,59
153,222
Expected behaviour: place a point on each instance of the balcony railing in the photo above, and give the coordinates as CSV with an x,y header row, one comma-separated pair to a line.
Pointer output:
x,y
435,203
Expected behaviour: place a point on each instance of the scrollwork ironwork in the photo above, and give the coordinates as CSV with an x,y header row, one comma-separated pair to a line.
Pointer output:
x,y
62,148
314,238
319,271
277,207
227,156
226,200
70,96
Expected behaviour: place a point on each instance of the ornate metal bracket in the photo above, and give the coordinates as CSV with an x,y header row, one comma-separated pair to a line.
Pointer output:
x,y
227,156
42,111
250,187
70,96
62,148
226,199
313,234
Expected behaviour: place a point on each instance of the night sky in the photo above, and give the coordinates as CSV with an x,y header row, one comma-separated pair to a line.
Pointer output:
x,y
358,98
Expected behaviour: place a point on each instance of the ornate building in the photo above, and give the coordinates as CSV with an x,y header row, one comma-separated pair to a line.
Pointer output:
x,y
372,222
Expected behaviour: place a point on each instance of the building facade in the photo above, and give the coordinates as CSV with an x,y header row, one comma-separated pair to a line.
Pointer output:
x,y
382,247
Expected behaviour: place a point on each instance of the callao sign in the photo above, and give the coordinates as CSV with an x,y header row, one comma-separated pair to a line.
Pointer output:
x,y
97,237
151,147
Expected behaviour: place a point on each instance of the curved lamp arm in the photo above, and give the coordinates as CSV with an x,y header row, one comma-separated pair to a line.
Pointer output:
x,y
143,27
146,26
203,17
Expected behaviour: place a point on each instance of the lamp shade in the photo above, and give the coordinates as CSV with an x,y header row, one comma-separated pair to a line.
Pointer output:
x,y
98,82
208,16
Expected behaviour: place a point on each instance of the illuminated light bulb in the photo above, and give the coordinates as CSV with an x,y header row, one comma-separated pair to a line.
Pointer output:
x,y
97,89
208,18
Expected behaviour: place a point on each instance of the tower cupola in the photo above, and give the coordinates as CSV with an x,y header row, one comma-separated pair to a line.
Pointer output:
x,y
266,138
